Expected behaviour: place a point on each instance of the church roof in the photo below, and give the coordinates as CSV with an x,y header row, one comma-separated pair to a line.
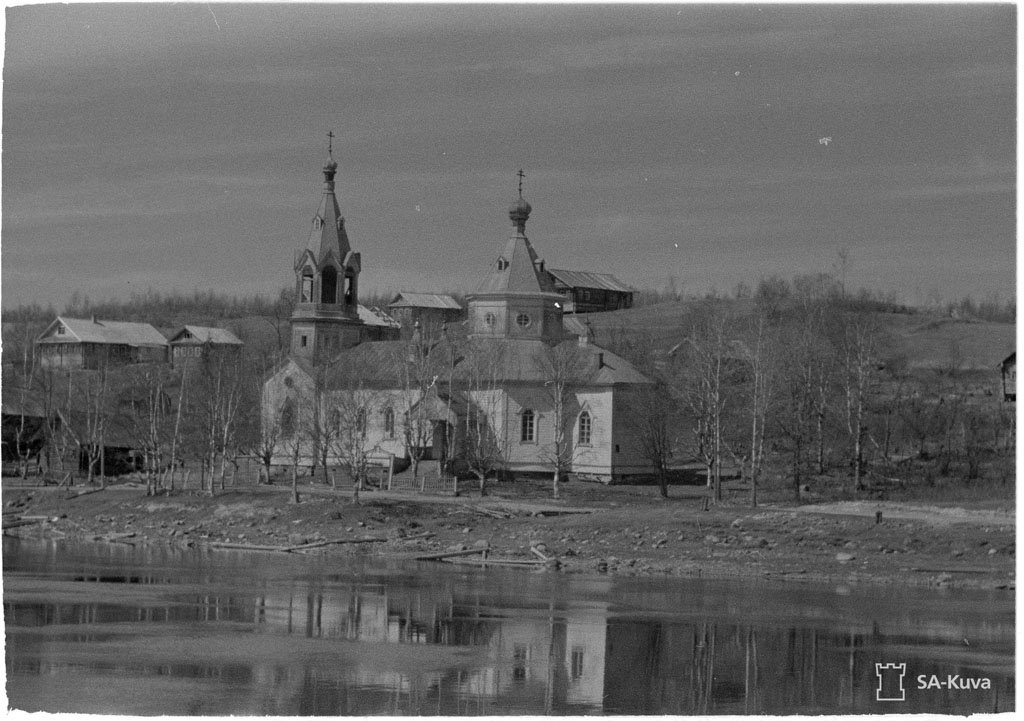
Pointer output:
x,y
329,226
526,361
516,271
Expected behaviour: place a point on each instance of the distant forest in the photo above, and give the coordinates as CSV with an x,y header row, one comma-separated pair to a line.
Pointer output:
x,y
175,308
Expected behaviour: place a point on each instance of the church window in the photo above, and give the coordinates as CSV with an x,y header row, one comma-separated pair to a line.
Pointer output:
x,y
286,421
586,427
306,288
329,285
389,422
335,421
523,320
302,341
317,223
502,264
350,289
576,663
361,422
490,320
528,426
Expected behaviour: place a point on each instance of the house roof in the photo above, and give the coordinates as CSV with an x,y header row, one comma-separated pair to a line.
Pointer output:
x,y
201,334
102,331
377,317
424,300
586,279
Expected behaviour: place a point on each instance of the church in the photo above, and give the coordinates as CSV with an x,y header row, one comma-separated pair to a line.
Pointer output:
x,y
508,391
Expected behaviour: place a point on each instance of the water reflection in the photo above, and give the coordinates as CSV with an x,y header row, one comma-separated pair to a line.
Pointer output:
x,y
176,631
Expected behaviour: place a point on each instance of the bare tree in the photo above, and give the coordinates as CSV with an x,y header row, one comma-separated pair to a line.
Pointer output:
x,y
485,440
761,359
418,373
861,364
653,411
143,389
351,398
707,359
563,368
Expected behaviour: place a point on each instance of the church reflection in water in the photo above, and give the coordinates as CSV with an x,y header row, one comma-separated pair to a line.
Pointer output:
x,y
549,655
541,644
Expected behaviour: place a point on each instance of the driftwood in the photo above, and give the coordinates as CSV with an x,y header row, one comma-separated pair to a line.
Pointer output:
x,y
499,561
441,555
492,512
539,554
318,544
18,522
425,534
289,549
86,492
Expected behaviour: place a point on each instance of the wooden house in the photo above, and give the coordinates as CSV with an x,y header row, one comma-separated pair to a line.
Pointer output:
x,y
430,310
90,344
1008,377
193,341
587,292
378,325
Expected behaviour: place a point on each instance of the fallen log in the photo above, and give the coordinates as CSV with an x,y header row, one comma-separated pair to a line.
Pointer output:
x,y
86,492
493,513
441,555
318,544
498,561
18,522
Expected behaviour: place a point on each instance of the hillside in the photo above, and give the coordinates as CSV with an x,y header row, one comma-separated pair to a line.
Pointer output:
x,y
926,340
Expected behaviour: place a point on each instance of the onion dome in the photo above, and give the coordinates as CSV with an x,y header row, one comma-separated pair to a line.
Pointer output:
x,y
520,210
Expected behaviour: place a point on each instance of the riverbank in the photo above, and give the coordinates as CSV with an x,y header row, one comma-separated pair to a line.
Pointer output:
x,y
623,530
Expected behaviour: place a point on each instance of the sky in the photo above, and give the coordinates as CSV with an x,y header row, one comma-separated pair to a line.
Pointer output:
x,y
179,147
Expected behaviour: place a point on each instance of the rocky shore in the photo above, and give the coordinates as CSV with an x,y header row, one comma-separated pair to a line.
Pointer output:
x,y
593,529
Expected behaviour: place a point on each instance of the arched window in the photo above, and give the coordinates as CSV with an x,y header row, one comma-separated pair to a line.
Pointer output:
x,y
586,426
286,421
306,286
527,426
361,422
350,288
389,422
329,285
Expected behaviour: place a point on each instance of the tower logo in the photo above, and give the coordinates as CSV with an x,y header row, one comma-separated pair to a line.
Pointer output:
x,y
890,681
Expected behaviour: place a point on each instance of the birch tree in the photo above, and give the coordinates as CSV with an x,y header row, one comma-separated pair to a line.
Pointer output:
x,y
562,368
485,440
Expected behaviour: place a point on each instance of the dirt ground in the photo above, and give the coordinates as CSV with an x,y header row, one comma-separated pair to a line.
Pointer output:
x,y
625,530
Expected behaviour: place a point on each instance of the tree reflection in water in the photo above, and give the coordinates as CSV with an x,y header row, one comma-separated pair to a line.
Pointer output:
x,y
200,633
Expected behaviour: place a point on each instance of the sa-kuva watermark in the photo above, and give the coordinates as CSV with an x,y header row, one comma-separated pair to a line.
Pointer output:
x,y
891,682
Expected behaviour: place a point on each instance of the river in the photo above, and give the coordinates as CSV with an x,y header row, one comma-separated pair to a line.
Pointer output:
x,y
164,630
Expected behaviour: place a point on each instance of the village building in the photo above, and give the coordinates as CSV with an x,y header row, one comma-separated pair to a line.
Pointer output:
x,y
193,342
378,325
90,344
429,310
519,394
587,292
1008,377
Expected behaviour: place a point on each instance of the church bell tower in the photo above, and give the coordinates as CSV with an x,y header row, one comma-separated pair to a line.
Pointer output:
x,y
326,315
